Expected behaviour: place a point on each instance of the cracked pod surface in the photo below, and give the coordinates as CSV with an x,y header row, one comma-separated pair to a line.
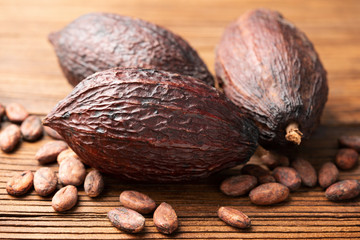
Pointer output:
x,y
99,41
150,125
270,69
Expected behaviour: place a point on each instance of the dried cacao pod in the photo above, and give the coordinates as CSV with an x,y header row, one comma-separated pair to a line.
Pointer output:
x,y
99,41
270,69
153,125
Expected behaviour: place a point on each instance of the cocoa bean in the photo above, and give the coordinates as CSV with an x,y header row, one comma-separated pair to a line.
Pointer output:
x,y
234,217
94,183
238,185
45,181
67,154
2,112
20,184
350,142
72,172
16,112
137,201
49,151
346,158
126,219
273,160
165,218
262,175
269,193
65,199
328,174
343,190
32,128
9,138
52,133
287,176
306,171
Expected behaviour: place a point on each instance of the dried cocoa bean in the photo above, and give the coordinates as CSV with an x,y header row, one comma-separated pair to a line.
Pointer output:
x,y
20,184
287,94
32,128
10,138
45,181
306,171
52,133
98,41
287,176
238,185
262,175
158,126
16,112
234,217
350,142
328,174
49,151
137,201
94,183
65,199
273,160
268,194
126,219
66,154
165,219
346,158
72,172
343,190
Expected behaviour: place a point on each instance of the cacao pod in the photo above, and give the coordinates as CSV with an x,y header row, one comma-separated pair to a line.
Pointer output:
x,y
270,69
151,125
98,41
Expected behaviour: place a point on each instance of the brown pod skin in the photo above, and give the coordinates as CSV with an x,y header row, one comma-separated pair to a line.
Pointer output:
x,y
269,193
350,142
32,128
45,181
72,172
262,175
66,154
99,41
94,183
16,112
65,199
238,185
234,217
20,183
10,138
137,201
52,133
48,152
343,190
288,177
165,219
328,174
306,171
270,69
346,158
126,219
150,125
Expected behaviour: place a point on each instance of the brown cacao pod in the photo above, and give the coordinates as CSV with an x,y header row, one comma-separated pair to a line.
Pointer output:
x,y
99,41
270,69
151,125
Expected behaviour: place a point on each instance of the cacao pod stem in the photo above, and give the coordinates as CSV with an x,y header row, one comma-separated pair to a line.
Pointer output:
x,y
293,133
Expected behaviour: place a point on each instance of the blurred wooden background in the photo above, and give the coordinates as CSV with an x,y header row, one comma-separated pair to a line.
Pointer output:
x,y
30,75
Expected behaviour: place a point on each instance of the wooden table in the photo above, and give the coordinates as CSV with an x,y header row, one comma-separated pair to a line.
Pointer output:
x,y
30,75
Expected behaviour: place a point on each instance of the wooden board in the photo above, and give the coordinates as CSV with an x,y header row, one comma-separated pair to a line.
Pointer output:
x,y
30,75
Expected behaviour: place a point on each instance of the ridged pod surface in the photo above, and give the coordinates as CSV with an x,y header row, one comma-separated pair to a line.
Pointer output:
x,y
270,69
99,41
150,125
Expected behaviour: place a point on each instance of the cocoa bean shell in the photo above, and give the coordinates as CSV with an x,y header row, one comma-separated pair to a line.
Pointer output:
x,y
328,174
306,171
150,125
288,176
350,142
10,137
32,128
72,172
98,41
270,69
343,190
52,133
269,193
16,112
48,152
45,181
20,184
94,183
238,185
65,199
234,217
137,201
165,218
126,219
346,158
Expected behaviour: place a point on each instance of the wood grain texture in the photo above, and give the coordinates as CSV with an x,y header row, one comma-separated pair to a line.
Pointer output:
x,y
30,75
